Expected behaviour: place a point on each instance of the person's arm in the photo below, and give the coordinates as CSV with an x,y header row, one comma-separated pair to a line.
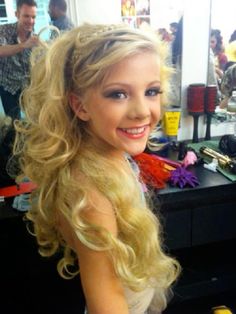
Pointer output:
x,y
10,50
102,288
224,102
219,72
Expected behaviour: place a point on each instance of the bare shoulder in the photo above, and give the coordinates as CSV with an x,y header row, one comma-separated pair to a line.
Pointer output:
x,y
103,289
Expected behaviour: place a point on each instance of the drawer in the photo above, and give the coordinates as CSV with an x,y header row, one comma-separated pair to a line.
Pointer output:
x,y
213,223
177,229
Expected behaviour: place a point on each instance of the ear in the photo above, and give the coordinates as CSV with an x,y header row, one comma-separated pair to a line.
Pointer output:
x,y
76,104
16,14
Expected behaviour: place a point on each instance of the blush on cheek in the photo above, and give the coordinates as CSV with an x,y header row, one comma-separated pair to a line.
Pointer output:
x,y
157,118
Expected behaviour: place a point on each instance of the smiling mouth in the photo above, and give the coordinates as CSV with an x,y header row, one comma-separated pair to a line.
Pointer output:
x,y
134,131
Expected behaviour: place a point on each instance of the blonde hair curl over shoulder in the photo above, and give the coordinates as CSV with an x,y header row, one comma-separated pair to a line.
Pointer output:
x,y
54,144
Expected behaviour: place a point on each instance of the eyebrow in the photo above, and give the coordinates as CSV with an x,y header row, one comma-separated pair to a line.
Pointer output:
x,y
128,84
28,15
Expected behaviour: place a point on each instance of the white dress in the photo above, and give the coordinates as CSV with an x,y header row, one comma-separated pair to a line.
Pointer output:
x,y
139,302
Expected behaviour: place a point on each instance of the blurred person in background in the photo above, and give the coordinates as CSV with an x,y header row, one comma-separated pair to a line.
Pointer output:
x,y
16,42
216,44
57,11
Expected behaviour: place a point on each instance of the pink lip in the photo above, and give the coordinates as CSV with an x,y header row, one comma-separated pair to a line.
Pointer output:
x,y
134,135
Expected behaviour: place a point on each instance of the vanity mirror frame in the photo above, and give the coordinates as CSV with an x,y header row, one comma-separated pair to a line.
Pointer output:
x,y
226,28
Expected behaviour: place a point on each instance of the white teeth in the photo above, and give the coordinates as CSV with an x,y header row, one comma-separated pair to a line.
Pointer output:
x,y
134,131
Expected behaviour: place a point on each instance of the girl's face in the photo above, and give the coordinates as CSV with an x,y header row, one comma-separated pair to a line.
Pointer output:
x,y
123,110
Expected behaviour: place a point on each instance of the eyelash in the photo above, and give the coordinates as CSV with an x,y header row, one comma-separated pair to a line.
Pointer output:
x,y
116,95
152,92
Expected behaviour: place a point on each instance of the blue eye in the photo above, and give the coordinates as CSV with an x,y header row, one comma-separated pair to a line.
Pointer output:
x,y
153,92
116,95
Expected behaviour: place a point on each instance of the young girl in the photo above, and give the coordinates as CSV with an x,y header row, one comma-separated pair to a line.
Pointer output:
x,y
93,101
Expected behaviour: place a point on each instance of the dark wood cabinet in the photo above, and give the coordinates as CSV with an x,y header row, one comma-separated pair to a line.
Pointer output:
x,y
199,229
30,283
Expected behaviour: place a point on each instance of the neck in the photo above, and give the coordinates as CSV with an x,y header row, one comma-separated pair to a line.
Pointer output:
x,y
22,34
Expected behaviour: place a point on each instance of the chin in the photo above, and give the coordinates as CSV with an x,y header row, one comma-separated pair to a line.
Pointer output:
x,y
135,152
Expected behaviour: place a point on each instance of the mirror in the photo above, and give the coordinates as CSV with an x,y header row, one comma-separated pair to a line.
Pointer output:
x,y
222,53
168,23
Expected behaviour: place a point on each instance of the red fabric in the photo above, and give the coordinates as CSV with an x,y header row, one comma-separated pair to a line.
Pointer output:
x,y
13,190
152,170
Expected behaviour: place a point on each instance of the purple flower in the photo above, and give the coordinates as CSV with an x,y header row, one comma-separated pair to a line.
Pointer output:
x,y
182,177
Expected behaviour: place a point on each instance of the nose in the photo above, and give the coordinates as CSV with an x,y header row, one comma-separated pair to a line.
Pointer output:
x,y
139,108
31,20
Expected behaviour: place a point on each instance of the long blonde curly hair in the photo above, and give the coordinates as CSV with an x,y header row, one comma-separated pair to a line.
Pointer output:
x,y
54,143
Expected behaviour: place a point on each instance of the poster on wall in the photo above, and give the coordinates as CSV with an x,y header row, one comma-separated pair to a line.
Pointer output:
x,y
128,8
143,7
131,21
135,13
141,21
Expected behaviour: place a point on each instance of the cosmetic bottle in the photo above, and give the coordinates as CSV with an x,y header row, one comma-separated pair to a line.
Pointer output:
x,y
232,102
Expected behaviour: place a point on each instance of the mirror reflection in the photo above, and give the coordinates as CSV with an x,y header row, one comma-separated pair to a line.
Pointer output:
x,y
222,59
168,23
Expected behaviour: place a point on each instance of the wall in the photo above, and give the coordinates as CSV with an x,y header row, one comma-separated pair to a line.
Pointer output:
x,y
107,11
195,57
102,11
